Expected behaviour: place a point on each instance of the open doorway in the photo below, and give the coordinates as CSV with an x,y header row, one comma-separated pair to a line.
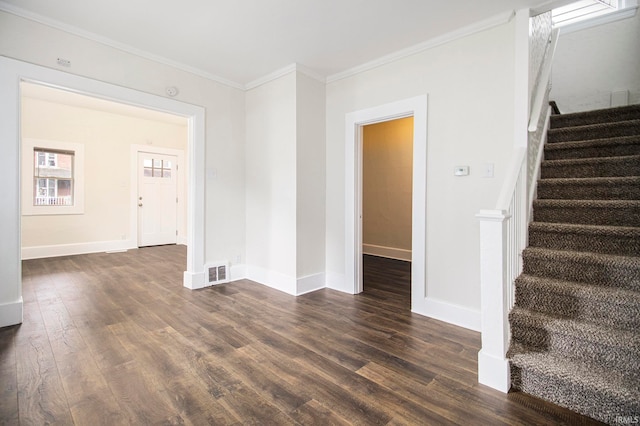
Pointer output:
x,y
78,193
387,190
354,123
12,72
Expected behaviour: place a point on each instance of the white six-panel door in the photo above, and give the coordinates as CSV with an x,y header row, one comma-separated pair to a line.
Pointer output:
x,y
157,199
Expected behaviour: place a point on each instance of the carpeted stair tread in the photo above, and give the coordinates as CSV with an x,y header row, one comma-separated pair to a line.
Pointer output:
x,y
594,131
628,165
587,342
575,324
627,112
608,147
625,339
598,188
584,267
596,392
576,372
611,306
619,240
588,212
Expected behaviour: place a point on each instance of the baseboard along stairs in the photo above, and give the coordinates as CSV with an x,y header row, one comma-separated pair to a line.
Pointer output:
x,y
575,327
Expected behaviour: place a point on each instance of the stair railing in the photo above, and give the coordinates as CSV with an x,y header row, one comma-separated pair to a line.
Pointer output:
x,y
503,236
544,78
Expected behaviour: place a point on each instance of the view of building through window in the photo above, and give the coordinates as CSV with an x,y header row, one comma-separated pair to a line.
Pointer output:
x,y
53,177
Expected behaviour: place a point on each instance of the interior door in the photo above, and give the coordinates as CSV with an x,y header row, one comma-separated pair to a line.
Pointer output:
x,y
157,199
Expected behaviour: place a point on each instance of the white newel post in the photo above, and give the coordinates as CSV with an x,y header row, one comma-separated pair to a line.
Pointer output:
x,y
493,366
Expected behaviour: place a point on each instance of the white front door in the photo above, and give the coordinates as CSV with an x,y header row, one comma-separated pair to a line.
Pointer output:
x,y
157,199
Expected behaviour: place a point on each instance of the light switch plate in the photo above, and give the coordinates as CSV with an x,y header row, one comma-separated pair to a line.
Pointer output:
x,y
487,170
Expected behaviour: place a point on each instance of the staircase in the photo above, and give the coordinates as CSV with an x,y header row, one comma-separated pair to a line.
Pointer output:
x,y
576,322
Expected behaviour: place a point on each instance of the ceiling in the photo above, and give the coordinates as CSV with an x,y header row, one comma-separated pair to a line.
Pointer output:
x,y
241,41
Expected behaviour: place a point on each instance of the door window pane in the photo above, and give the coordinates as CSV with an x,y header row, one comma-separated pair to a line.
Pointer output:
x,y
157,168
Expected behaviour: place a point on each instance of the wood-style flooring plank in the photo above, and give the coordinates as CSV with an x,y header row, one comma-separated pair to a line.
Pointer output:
x,y
116,339
41,395
8,377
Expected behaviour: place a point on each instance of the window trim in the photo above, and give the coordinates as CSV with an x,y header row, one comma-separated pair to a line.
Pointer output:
x,y
626,9
28,170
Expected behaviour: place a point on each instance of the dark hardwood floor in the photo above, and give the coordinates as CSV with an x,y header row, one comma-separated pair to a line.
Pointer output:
x,y
115,339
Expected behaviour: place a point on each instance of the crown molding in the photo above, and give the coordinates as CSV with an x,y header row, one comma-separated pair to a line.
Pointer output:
x,y
282,72
426,45
270,77
311,73
395,56
17,11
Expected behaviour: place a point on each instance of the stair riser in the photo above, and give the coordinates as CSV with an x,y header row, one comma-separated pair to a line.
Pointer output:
x,y
589,402
567,346
601,131
617,245
591,311
575,270
568,120
574,326
598,191
608,168
591,152
588,215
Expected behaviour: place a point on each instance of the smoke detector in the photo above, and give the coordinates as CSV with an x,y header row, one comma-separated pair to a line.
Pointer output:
x,y
171,91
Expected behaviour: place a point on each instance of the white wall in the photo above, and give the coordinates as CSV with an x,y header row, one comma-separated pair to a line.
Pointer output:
x,y
590,64
38,44
470,86
271,183
107,140
285,178
310,191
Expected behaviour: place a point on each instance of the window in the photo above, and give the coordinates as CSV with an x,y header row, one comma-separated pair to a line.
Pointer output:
x,y
52,177
586,13
582,10
157,168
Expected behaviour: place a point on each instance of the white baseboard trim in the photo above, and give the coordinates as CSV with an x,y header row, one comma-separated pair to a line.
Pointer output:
x,y
390,252
11,313
310,283
337,281
443,311
494,372
277,280
39,252
238,272
273,279
194,280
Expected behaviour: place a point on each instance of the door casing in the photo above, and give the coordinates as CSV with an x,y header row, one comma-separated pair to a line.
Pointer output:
x,y
416,107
